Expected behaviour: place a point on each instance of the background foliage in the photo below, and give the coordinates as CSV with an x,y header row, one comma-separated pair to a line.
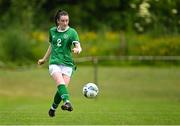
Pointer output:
x,y
116,27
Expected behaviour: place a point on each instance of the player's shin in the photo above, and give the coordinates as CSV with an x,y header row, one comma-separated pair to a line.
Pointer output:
x,y
63,92
57,100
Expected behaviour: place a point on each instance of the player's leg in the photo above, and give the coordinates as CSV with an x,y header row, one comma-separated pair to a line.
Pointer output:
x,y
66,79
55,104
62,82
57,97
57,75
55,72
67,105
66,73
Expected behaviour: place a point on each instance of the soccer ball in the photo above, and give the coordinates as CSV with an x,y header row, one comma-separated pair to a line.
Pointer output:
x,y
90,90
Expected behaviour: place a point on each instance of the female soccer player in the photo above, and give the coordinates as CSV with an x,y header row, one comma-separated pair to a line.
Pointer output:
x,y
63,40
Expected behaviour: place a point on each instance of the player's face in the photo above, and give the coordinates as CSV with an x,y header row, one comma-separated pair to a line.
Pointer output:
x,y
63,22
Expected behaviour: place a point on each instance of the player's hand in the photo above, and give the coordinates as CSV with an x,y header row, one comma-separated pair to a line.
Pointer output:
x,y
76,50
41,61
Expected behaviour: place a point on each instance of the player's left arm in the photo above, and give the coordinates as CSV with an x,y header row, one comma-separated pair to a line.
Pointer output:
x,y
75,41
77,48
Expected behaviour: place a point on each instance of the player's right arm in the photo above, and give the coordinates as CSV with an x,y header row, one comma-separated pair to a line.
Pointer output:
x,y
46,56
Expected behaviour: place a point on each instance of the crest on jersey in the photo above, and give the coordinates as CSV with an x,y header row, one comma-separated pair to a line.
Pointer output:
x,y
65,36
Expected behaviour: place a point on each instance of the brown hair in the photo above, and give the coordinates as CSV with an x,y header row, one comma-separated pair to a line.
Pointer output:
x,y
59,14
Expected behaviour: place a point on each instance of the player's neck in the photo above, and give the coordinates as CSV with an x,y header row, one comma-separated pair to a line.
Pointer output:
x,y
62,30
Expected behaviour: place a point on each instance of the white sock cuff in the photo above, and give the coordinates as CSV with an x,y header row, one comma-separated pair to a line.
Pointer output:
x,y
53,108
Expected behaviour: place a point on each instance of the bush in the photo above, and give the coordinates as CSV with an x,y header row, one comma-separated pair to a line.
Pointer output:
x,y
16,46
160,46
21,47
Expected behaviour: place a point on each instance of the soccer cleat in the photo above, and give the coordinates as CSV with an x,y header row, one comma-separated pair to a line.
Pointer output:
x,y
67,106
51,112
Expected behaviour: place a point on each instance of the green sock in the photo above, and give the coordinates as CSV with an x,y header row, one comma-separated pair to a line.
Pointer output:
x,y
57,100
63,92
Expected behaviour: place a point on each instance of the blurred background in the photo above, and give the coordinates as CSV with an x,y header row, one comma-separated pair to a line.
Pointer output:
x,y
131,50
106,28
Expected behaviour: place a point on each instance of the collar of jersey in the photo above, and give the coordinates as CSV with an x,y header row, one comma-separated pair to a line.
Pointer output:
x,y
63,30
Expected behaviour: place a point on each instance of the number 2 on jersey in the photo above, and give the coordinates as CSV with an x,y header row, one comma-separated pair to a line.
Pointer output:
x,y
59,42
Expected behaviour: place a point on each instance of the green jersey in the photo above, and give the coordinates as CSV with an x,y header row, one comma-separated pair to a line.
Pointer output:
x,y
61,43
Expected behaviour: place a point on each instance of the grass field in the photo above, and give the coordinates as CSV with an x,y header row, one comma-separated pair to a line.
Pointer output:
x,y
128,95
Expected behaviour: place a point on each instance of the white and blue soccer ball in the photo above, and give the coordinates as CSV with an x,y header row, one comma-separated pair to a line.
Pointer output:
x,y
90,90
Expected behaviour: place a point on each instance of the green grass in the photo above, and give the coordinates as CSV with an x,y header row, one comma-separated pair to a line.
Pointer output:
x,y
128,95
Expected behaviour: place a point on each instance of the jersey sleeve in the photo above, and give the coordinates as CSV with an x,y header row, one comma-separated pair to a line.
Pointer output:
x,y
75,37
50,36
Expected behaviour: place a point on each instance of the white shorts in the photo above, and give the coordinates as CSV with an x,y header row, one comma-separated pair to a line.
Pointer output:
x,y
60,68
